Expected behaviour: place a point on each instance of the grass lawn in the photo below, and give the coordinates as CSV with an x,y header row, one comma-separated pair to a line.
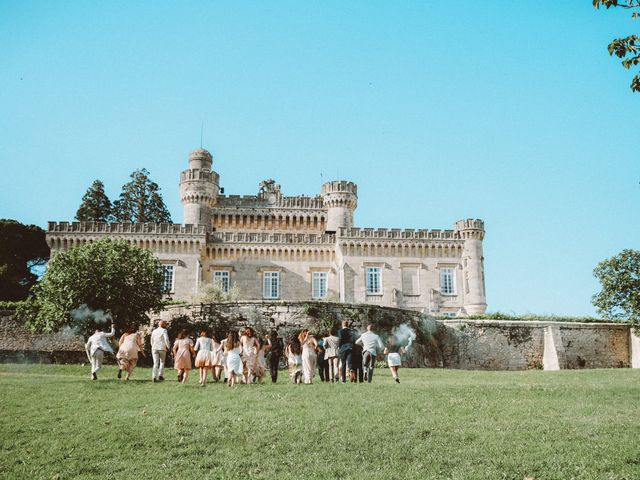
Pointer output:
x,y
55,423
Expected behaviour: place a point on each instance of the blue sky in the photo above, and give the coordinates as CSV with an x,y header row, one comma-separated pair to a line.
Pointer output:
x,y
508,111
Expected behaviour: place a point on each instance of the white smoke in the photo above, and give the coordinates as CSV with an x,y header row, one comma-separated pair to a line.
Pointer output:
x,y
84,314
405,335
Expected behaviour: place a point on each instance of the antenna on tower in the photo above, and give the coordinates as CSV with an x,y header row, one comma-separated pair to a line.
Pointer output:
x,y
201,132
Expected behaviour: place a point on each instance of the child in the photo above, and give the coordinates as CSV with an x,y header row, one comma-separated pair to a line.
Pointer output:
x,y
204,347
323,364
356,364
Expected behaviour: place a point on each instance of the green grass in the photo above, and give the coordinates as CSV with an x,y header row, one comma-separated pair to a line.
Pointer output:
x,y
55,423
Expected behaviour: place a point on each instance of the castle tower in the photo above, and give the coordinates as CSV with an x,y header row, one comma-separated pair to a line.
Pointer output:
x,y
199,188
472,231
340,199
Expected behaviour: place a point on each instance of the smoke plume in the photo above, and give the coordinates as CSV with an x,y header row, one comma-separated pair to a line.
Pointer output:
x,y
405,335
84,314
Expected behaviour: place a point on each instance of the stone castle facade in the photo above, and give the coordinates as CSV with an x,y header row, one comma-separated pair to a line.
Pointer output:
x,y
274,247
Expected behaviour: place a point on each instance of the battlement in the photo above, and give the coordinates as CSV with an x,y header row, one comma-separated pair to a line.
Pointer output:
x,y
471,228
197,174
339,186
271,238
254,201
399,234
126,227
469,224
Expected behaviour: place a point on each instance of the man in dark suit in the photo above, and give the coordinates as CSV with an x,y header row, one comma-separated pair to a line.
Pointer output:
x,y
346,339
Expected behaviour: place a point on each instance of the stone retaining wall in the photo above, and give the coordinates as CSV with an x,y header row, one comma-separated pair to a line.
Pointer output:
x,y
456,343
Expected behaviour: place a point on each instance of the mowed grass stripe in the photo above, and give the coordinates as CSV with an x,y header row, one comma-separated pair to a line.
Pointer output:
x,y
435,424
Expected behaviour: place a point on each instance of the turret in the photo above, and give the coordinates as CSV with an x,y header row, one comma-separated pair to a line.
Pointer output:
x,y
199,189
340,199
472,231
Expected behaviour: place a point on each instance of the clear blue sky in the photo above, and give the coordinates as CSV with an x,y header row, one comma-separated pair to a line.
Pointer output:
x,y
508,111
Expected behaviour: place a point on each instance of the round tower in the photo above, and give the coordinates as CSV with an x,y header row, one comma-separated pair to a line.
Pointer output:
x,y
199,188
340,198
472,232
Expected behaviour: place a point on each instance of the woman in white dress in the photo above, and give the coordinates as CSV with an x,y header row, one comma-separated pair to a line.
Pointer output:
x,y
293,353
217,362
250,347
204,347
234,363
393,351
309,355
331,354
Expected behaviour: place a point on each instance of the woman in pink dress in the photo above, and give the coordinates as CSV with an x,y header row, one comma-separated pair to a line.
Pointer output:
x,y
204,347
261,362
182,351
130,344
249,345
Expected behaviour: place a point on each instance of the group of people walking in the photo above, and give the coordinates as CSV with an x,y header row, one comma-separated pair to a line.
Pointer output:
x,y
245,357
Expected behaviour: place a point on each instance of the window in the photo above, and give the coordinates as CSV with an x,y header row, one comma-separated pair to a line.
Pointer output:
x,y
319,284
221,279
447,283
167,278
410,281
271,284
373,283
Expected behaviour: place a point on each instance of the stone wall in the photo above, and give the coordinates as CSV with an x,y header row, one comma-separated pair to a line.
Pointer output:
x,y
17,344
512,345
458,344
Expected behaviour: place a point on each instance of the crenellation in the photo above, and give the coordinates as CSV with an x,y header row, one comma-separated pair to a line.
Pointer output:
x,y
125,227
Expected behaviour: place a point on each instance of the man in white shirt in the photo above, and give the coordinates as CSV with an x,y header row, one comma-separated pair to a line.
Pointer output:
x,y
370,343
159,347
95,348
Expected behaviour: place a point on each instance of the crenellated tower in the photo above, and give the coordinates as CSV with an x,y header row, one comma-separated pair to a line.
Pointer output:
x,y
340,198
472,232
199,189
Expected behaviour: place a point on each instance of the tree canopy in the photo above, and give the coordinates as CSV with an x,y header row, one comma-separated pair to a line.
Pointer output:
x,y
95,206
123,280
626,48
22,247
619,276
141,201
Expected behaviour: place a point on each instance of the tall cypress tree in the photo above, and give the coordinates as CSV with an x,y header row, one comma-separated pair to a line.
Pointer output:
x,y
141,201
95,206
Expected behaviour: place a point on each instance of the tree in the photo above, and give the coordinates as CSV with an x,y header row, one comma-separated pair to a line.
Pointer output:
x,y
123,280
627,48
22,248
620,294
95,206
213,293
140,201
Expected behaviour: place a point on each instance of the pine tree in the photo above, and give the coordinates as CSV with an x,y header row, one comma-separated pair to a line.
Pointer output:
x,y
95,206
141,201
